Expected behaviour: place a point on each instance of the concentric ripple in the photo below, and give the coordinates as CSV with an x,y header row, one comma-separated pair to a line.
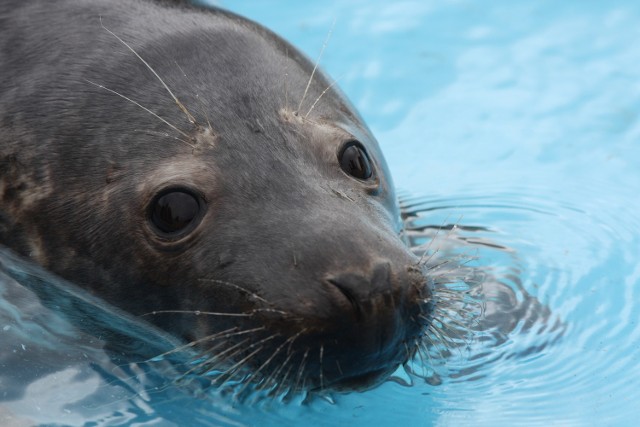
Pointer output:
x,y
574,269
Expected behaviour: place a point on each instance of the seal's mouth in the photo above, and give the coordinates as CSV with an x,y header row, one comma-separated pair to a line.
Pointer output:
x,y
345,342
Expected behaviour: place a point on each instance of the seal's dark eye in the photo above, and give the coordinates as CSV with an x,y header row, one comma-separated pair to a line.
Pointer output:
x,y
174,211
354,160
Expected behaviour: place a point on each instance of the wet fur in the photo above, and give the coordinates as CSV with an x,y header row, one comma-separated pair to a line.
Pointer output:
x,y
131,96
109,101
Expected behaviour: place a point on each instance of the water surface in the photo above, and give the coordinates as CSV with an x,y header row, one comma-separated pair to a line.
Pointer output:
x,y
513,128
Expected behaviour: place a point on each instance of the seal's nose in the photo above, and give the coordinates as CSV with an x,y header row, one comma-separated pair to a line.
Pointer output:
x,y
366,296
352,328
375,317
348,287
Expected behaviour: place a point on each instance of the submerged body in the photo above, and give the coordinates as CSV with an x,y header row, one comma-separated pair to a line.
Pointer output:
x,y
191,167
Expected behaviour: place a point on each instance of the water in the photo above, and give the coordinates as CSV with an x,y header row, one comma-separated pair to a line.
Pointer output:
x,y
516,121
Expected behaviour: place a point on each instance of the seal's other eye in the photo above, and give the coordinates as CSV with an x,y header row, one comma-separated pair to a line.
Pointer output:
x,y
172,212
354,160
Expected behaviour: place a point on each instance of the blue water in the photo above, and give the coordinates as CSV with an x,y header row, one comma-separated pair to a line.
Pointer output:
x,y
518,122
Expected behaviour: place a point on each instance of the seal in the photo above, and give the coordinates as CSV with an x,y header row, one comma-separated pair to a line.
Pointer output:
x,y
191,167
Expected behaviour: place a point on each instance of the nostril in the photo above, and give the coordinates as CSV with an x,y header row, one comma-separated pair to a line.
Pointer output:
x,y
349,296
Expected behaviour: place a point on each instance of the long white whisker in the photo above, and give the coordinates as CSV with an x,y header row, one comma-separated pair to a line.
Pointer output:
x,y
141,106
197,313
163,134
191,119
240,288
315,67
319,97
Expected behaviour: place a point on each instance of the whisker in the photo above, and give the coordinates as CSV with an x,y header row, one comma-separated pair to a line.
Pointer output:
x,y
315,67
450,231
190,118
435,330
240,288
143,107
422,362
268,380
196,313
235,334
215,360
204,111
286,75
321,367
445,314
211,350
423,260
441,264
186,346
163,134
308,120
296,336
271,310
456,294
283,381
233,370
224,335
406,349
434,345
303,364
449,331
433,239
203,108
289,341
209,362
321,95
275,353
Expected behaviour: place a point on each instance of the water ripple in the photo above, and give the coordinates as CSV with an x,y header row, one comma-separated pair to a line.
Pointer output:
x,y
574,256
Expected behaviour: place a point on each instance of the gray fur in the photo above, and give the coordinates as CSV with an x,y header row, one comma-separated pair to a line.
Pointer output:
x,y
89,135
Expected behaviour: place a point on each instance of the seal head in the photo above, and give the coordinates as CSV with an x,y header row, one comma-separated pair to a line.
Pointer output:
x,y
191,167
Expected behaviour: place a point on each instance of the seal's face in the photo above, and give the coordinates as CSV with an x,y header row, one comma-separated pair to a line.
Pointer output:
x,y
255,217
306,255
